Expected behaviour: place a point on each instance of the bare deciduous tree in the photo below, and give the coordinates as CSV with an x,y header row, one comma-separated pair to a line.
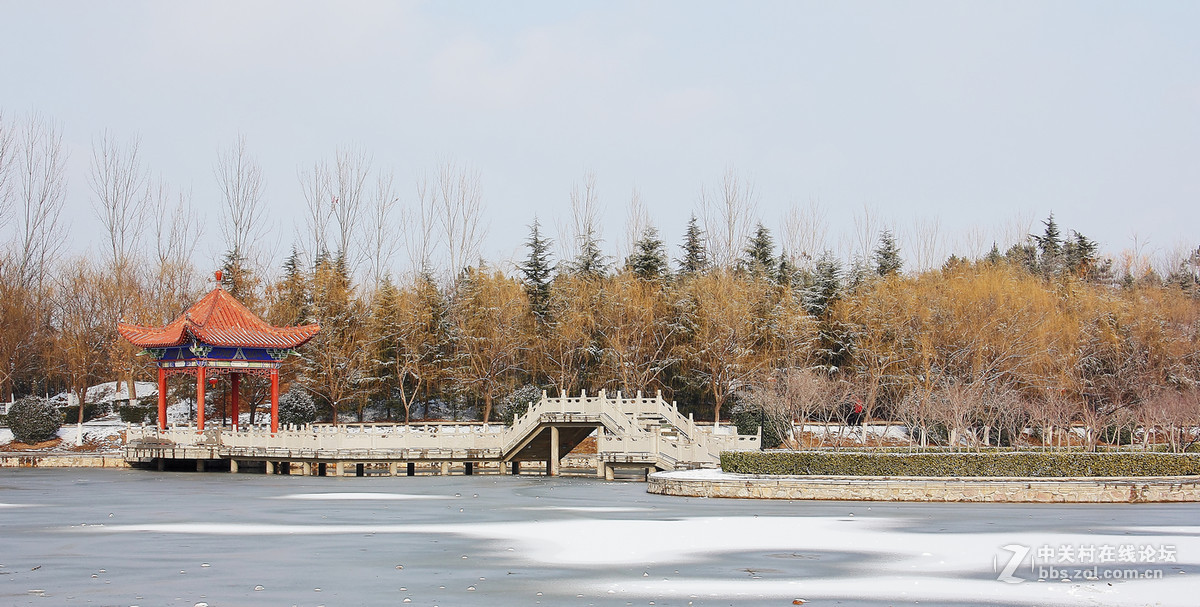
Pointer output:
x,y
41,186
456,198
866,230
419,222
925,244
352,166
381,236
240,179
791,396
585,230
177,231
636,221
1015,230
316,187
8,153
119,183
728,210
805,230
84,331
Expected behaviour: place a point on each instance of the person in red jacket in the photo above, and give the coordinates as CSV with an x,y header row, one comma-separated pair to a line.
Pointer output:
x,y
856,416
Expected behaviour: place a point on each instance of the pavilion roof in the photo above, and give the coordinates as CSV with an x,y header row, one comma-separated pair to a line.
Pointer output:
x,y
218,320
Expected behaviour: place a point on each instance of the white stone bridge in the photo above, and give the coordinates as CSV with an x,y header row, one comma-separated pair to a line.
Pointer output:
x,y
644,433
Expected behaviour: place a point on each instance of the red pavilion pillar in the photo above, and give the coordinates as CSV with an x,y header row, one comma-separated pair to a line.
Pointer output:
x,y
235,380
162,398
200,398
274,401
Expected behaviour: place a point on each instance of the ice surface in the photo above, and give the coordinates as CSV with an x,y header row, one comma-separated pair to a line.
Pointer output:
x,y
518,540
361,496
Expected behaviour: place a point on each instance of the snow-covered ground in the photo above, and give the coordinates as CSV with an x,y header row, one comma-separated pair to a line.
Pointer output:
x,y
105,433
108,392
890,431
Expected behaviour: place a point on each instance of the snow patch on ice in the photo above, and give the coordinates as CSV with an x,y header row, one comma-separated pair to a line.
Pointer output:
x,y
956,568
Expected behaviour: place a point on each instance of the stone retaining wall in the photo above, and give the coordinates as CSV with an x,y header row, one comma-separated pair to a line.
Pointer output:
x,y
709,483
61,460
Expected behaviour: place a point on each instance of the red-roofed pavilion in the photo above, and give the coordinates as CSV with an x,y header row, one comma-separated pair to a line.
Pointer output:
x,y
218,335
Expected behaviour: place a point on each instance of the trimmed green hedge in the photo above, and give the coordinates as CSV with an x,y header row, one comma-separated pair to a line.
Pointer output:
x,y
999,464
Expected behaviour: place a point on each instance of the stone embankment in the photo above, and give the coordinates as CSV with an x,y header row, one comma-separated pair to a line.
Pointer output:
x,y
34,459
714,483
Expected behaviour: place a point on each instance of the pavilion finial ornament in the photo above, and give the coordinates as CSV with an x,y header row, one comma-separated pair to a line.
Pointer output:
x,y
219,275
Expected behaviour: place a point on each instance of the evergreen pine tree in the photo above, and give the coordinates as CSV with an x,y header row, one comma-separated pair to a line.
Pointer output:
x,y
1050,248
535,271
1023,255
788,271
649,259
859,271
695,253
292,305
760,253
826,284
238,280
590,261
887,256
385,318
994,257
1079,255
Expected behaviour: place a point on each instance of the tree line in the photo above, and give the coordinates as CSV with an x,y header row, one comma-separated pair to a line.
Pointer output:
x,y
1044,333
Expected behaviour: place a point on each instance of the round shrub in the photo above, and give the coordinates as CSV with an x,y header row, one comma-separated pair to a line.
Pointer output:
x,y
34,420
296,407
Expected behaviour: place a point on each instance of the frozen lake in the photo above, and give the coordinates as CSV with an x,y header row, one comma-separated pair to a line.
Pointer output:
x,y
109,537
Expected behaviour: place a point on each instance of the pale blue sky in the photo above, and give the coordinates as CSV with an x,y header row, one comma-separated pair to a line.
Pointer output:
x,y
967,112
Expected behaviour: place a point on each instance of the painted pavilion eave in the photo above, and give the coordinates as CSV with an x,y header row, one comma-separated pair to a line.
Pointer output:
x,y
218,321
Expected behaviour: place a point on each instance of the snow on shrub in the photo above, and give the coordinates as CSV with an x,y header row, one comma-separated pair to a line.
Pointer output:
x,y
296,407
516,403
34,420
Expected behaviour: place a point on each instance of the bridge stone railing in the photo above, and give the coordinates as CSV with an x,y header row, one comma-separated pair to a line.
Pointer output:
x,y
644,429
